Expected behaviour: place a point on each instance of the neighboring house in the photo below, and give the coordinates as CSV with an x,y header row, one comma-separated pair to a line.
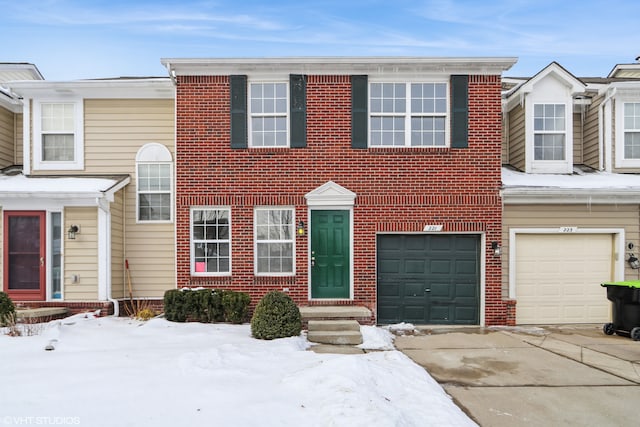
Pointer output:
x,y
571,193
344,181
88,183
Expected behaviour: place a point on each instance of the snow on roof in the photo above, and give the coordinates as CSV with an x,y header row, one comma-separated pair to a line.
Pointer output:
x,y
20,185
590,180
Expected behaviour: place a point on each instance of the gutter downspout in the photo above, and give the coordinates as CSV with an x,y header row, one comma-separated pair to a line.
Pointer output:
x,y
104,259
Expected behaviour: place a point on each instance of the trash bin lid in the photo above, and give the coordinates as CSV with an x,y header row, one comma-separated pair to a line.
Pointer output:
x,y
628,284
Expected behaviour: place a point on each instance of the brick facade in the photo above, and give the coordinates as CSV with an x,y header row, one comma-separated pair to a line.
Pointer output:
x,y
398,189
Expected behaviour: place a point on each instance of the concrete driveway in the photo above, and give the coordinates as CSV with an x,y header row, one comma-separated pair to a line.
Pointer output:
x,y
551,376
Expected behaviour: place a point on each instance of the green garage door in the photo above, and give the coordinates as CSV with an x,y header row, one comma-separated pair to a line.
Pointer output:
x,y
428,279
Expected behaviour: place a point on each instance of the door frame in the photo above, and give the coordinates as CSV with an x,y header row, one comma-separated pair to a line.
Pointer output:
x,y
351,258
28,295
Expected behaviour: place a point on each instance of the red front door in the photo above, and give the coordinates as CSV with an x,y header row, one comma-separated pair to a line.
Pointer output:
x,y
24,255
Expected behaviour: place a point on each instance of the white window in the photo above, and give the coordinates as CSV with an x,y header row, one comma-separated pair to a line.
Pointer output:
x,y
268,106
549,127
274,241
632,130
408,114
210,241
58,139
154,183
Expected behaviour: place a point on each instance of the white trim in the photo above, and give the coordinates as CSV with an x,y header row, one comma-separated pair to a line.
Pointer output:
x,y
621,161
330,194
373,66
293,241
548,166
409,113
251,114
26,136
104,253
78,135
191,250
618,255
351,250
150,88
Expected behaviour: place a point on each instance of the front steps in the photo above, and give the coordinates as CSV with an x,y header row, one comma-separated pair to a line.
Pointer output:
x,y
335,325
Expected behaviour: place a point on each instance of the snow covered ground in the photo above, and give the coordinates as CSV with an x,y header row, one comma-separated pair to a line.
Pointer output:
x,y
121,372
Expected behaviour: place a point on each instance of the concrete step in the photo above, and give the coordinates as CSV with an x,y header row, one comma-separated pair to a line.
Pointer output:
x,y
336,349
334,312
41,313
335,337
334,325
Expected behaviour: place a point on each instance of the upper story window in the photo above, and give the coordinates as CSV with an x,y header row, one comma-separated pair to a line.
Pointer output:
x,y
58,138
408,114
268,111
632,130
549,127
154,179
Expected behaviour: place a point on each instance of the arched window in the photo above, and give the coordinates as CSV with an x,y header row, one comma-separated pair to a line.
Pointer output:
x,y
154,183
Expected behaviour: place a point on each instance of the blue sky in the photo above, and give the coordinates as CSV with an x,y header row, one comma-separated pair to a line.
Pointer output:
x,y
72,39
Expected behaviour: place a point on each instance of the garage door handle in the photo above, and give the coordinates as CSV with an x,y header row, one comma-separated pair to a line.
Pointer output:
x,y
427,290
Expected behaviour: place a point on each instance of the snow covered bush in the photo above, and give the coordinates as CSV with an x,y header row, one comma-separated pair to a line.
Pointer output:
x,y
7,310
276,316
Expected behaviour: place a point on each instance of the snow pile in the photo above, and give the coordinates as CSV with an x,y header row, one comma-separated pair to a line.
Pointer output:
x,y
121,372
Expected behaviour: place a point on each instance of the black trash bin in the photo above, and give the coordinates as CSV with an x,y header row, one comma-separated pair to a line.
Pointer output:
x,y
625,297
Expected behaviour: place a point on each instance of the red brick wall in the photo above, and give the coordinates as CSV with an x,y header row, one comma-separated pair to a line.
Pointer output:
x,y
397,189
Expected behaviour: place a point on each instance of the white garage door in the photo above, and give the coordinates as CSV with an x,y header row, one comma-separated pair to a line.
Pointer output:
x,y
558,278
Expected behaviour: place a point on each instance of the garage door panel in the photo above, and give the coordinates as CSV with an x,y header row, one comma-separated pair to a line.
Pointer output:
x,y
428,279
558,278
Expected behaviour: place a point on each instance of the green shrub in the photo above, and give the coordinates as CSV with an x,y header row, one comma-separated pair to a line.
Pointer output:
x,y
276,316
7,310
174,305
236,306
205,305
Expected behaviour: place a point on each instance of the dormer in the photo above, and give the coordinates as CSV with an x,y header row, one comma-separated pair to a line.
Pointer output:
x,y
539,121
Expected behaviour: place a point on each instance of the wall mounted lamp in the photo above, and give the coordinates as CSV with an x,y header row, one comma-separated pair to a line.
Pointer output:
x,y
72,231
497,249
633,262
300,228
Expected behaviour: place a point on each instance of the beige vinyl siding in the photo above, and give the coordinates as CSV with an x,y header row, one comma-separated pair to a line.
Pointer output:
x,y
505,146
517,138
7,138
583,216
115,129
81,255
117,246
114,132
590,138
577,138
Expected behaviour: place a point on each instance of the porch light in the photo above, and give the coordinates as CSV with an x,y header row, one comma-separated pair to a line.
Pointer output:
x,y
72,231
300,229
497,249
634,262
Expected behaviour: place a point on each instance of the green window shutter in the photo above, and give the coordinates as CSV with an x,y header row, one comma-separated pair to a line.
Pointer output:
x,y
359,113
298,110
239,112
459,111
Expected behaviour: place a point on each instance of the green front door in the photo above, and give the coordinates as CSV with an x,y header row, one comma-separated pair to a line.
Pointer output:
x,y
330,254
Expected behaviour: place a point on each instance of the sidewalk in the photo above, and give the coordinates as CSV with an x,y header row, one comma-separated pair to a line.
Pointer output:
x,y
569,375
